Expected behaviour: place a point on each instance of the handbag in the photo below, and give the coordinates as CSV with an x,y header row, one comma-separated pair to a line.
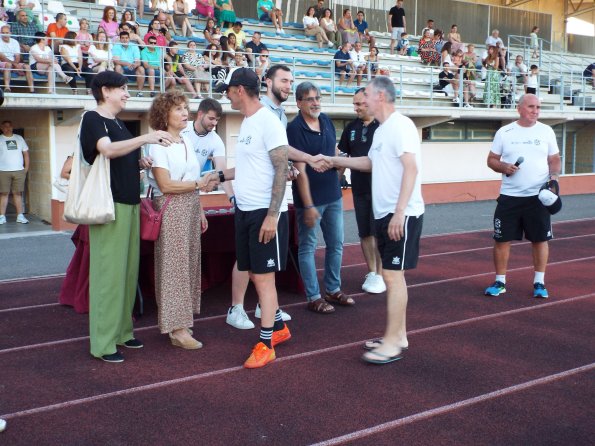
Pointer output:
x,y
150,219
89,199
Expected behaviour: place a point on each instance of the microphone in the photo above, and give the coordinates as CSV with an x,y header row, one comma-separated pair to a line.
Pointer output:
x,y
519,161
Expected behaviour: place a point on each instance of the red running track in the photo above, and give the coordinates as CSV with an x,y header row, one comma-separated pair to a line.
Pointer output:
x,y
507,370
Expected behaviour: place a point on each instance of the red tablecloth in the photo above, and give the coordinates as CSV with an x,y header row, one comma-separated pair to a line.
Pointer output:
x,y
218,258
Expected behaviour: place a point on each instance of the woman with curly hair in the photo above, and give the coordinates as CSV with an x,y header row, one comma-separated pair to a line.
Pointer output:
x,y
109,23
175,178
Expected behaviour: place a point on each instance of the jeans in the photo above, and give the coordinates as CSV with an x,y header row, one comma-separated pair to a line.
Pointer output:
x,y
331,224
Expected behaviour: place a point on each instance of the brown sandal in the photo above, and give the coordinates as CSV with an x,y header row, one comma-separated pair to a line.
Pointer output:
x,y
320,306
339,298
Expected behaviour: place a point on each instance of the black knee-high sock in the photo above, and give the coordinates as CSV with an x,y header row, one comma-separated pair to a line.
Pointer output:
x,y
266,334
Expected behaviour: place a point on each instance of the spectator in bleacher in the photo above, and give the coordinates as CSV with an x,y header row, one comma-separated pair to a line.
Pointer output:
x,y
445,79
181,17
533,80
232,45
56,31
470,76
589,75
167,23
132,35
196,68
109,23
214,63
128,17
43,61
255,46
491,92
262,64
494,39
130,5
224,12
445,54
359,62
319,9
329,26
174,70
4,15
503,55
126,59
217,34
239,35
10,60
23,5
363,29
343,64
438,38
155,31
427,49
267,12
23,27
429,27
460,70
151,58
403,47
238,61
84,37
312,28
72,62
347,28
205,8
455,39
98,60
397,24
209,31
534,42
226,54
518,69
372,63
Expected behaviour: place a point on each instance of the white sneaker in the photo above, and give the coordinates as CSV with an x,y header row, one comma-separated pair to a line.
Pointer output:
x,y
468,106
330,44
2,220
374,284
237,317
286,317
21,219
2,422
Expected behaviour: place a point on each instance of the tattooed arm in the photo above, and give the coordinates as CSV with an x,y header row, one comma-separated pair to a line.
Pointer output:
x,y
269,225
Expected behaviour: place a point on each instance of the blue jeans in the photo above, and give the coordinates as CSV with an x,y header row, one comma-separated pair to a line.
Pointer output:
x,y
331,224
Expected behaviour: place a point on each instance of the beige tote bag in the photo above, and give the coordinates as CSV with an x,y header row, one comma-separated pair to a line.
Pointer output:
x,y
89,200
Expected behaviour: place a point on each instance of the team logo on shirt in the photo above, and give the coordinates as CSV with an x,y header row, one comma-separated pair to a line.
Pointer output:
x,y
245,140
537,142
396,260
270,263
352,136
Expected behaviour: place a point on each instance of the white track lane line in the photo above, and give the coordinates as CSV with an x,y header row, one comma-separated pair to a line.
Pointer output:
x,y
454,406
416,285
200,376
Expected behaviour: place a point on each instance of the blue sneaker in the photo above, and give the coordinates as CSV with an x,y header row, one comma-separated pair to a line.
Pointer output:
x,y
539,291
495,289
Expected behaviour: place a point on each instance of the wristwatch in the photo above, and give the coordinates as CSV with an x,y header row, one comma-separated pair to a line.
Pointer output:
x,y
221,177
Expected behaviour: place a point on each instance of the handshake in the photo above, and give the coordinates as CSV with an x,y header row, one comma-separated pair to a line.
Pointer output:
x,y
209,181
321,163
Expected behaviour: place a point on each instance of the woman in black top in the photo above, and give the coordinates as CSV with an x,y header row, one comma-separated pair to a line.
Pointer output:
x,y
114,246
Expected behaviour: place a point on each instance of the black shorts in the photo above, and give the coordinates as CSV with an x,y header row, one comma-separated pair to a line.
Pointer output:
x,y
254,256
517,215
364,216
402,254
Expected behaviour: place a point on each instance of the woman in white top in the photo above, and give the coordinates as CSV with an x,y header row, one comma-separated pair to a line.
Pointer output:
x,y
99,53
72,61
42,60
313,28
175,176
181,17
329,26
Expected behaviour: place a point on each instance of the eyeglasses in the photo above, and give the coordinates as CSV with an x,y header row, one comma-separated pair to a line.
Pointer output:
x,y
263,55
312,99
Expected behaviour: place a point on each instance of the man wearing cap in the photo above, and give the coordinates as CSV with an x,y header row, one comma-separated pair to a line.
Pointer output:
x,y
261,223
526,153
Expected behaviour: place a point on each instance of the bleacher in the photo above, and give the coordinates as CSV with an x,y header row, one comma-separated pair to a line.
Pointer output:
x,y
562,86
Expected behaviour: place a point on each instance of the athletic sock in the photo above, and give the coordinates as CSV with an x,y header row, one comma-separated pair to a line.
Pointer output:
x,y
266,334
279,324
501,278
539,277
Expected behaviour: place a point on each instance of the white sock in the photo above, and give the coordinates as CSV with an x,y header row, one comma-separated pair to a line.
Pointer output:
x,y
501,278
539,277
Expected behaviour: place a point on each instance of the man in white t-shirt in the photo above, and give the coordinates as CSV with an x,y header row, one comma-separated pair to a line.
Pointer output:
x,y
14,165
494,39
261,224
359,61
395,157
11,60
519,210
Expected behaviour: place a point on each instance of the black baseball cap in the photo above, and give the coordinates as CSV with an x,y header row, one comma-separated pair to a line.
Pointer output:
x,y
239,76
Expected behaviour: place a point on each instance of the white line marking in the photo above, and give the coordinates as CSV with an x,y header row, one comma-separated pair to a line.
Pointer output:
x,y
200,376
454,406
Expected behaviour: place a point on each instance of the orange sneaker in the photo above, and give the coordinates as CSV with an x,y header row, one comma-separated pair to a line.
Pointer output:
x,y
281,336
261,356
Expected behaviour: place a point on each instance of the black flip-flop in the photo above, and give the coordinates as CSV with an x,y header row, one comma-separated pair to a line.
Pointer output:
x,y
377,341
386,359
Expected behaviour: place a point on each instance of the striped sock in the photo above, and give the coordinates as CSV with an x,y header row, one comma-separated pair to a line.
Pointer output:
x,y
266,334
279,324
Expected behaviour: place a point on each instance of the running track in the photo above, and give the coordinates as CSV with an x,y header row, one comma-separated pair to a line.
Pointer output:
x,y
507,370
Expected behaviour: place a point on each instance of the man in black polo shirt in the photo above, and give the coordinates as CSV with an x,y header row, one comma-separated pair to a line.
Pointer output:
x,y
255,46
356,141
318,201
